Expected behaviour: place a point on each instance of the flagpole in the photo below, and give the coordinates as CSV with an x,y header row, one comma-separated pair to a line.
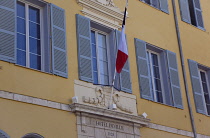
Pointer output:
x,y
113,82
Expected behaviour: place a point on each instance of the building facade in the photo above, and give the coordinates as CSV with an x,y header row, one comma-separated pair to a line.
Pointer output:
x,y
57,64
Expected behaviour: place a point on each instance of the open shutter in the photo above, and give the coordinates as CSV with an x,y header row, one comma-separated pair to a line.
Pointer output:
x,y
196,86
59,59
8,30
184,10
198,13
174,79
84,48
143,70
125,80
164,5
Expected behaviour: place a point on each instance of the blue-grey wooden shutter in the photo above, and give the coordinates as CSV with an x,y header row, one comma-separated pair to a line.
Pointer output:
x,y
84,48
196,86
3,134
58,30
143,70
8,30
164,5
125,80
184,10
174,79
198,13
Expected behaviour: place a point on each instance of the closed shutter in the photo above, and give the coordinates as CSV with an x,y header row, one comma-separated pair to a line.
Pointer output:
x,y
59,55
164,5
125,80
84,48
196,86
8,30
143,70
174,79
198,14
3,134
184,9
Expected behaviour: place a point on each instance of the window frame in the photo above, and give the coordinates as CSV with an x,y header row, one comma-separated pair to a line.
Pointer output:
x,y
208,88
152,76
42,41
97,31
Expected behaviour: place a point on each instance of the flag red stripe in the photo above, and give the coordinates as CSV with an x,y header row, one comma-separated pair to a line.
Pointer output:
x,y
121,59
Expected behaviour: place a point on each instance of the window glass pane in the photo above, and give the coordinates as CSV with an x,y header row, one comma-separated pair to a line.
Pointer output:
x,y
95,77
21,9
159,96
34,30
156,4
154,59
157,84
35,62
156,72
93,50
21,26
21,41
103,67
102,40
203,78
93,39
35,46
21,57
34,14
95,64
102,54
197,4
104,79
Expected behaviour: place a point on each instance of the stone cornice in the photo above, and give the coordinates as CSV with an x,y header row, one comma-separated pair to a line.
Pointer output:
x,y
105,14
76,107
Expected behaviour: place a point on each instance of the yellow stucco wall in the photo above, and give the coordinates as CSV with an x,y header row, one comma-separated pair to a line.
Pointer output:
x,y
145,23
18,119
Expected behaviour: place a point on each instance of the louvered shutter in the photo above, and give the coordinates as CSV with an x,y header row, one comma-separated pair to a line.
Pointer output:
x,y
3,134
143,70
198,13
174,79
84,48
125,80
164,5
196,86
184,10
59,55
8,30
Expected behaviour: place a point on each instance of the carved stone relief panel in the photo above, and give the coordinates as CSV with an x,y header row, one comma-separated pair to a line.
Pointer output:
x,y
99,96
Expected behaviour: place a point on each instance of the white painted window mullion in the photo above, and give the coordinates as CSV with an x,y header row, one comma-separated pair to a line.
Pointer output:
x,y
27,35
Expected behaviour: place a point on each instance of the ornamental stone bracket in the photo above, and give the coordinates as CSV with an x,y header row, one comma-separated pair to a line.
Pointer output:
x,y
100,96
96,122
102,11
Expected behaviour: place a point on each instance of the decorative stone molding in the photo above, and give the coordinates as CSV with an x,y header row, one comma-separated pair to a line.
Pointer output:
x,y
99,96
90,110
102,11
33,100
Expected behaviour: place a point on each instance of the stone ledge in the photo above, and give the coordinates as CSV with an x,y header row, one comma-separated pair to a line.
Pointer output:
x,y
33,100
76,107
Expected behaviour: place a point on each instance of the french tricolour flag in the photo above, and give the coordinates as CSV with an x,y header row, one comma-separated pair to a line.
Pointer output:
x,y
122,54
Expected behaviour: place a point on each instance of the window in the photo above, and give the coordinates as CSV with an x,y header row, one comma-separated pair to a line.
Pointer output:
x,y
200,84
158,74
155,76
205,90
29,24
99,58
97,47
191,12
159,4
33,35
